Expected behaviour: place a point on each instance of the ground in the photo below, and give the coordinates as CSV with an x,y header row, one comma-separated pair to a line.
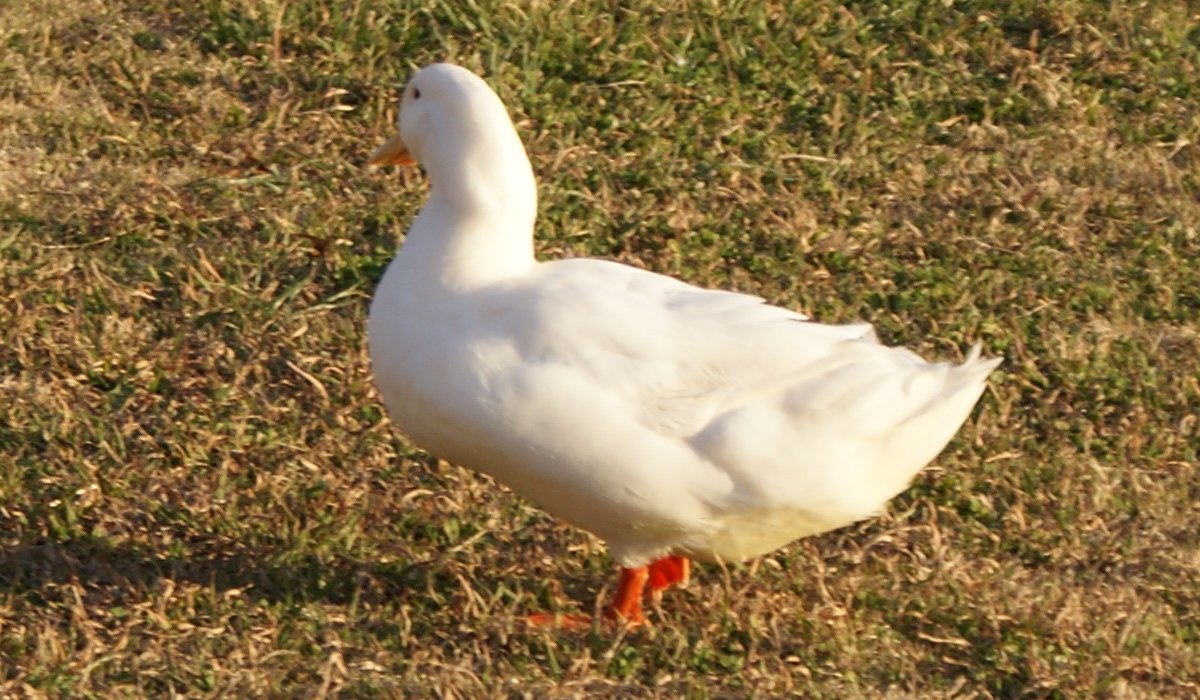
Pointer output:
x,y
201,496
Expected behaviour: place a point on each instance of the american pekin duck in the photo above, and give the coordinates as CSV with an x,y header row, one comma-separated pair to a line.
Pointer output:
x,y
674,422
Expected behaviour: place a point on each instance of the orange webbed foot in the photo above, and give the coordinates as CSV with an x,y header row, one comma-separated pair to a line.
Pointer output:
x,y
561,621
626,607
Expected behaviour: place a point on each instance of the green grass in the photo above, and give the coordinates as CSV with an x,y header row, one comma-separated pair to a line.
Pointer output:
x,y
201,496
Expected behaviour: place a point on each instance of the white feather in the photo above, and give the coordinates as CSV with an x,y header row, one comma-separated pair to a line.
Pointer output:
x,y
665,418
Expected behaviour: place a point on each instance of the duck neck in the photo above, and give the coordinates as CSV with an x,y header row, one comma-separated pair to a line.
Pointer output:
x,y
477,226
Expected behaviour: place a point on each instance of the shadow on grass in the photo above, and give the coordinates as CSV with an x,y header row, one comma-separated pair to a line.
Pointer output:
x,y
32,569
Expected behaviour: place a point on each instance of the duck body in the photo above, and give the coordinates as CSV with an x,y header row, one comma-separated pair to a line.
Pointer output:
x,y
667,419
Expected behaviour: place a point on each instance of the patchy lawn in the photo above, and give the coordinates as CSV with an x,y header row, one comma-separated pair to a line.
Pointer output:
x,y
201,496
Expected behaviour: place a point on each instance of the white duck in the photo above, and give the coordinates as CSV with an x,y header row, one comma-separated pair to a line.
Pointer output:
x,y
671,421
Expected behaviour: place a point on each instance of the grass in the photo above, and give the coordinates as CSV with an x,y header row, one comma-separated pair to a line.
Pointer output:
x,y
200,494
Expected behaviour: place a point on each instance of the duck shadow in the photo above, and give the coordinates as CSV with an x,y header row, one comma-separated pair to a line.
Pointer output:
x,y
131,570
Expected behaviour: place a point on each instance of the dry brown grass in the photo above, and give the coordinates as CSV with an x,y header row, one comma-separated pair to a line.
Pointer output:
x,y
200,495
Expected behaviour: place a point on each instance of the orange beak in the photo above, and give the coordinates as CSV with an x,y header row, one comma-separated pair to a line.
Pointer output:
x,y
392,152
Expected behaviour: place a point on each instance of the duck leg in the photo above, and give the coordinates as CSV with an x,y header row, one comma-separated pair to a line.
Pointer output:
x,y
669,571
626,607
627,604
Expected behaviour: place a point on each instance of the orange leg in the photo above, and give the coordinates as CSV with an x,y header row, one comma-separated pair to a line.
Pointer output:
x,y
626,606
669,571
627,603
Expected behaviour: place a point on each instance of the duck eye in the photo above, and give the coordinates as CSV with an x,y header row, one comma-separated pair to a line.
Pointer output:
x,y
416,94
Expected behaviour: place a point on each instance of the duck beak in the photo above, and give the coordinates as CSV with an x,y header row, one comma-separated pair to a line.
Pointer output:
x,y
392,152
